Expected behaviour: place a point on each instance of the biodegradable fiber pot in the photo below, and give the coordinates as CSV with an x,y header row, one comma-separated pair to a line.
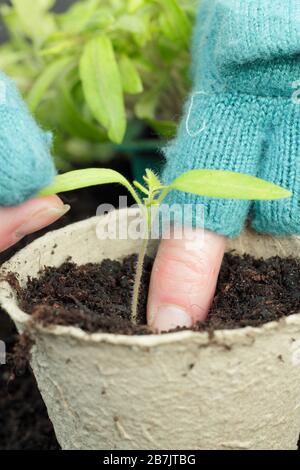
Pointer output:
x,y
236,390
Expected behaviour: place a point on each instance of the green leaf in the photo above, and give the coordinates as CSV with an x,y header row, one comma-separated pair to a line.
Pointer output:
x,y
141,188
80,16
86,178
45,4
152,180
131,79
101,20
134,5
44,81
57,47
36,22
147,104
129,24
164,128
73,121
175,23
228,185
10,57
101,80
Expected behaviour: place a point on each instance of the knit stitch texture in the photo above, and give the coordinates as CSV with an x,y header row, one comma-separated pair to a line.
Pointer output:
x,y
240,115
26,165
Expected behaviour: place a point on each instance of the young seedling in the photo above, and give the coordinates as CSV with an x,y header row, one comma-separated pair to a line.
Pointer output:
x,y
210,183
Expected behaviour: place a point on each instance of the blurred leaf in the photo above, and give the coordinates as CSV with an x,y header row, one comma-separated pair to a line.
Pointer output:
x,y
57,48
152,34
102,86
130,24
146,106
175,22
73,121
101,19
131,79
44,81
14,27
9,57
228,185
45,5
164,128
134,5
81,14
34,17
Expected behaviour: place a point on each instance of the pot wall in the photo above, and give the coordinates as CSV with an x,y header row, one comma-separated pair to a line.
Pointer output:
x,y
237,390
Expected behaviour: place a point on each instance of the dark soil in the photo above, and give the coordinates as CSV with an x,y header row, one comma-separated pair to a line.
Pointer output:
x,y
252,292
92,297
24,422
97,297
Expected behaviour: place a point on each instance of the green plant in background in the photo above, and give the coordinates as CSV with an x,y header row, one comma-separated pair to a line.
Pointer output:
x,y
210,183
94,72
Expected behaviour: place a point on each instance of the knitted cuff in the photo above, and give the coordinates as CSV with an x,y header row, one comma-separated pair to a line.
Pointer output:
x,y
26,165
280,165
223,131
240,116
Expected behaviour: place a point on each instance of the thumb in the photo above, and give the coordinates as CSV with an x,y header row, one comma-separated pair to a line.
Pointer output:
x,y
184,279
19,221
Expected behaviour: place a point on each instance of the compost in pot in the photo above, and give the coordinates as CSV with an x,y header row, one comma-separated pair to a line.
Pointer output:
x,y
97,297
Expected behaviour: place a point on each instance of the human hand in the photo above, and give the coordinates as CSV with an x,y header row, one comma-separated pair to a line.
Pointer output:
x,y
26,167
240,117
19,221
184,279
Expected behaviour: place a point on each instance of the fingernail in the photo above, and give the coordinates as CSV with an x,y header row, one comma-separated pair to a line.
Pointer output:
x,y
41,219
169,317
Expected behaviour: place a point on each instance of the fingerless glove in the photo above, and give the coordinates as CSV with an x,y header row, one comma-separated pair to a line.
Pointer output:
x,y
240,115
26,165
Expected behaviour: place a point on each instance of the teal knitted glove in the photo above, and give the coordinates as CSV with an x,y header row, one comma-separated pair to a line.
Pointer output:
x,y
240,115
25,162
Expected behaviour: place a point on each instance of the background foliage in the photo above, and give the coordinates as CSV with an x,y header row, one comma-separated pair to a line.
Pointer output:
x,y
95,71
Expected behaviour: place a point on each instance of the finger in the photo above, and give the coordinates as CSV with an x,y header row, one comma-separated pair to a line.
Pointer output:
x,y
184,279
17,222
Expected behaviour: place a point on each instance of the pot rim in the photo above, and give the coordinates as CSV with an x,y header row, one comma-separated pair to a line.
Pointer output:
x,y
225,338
